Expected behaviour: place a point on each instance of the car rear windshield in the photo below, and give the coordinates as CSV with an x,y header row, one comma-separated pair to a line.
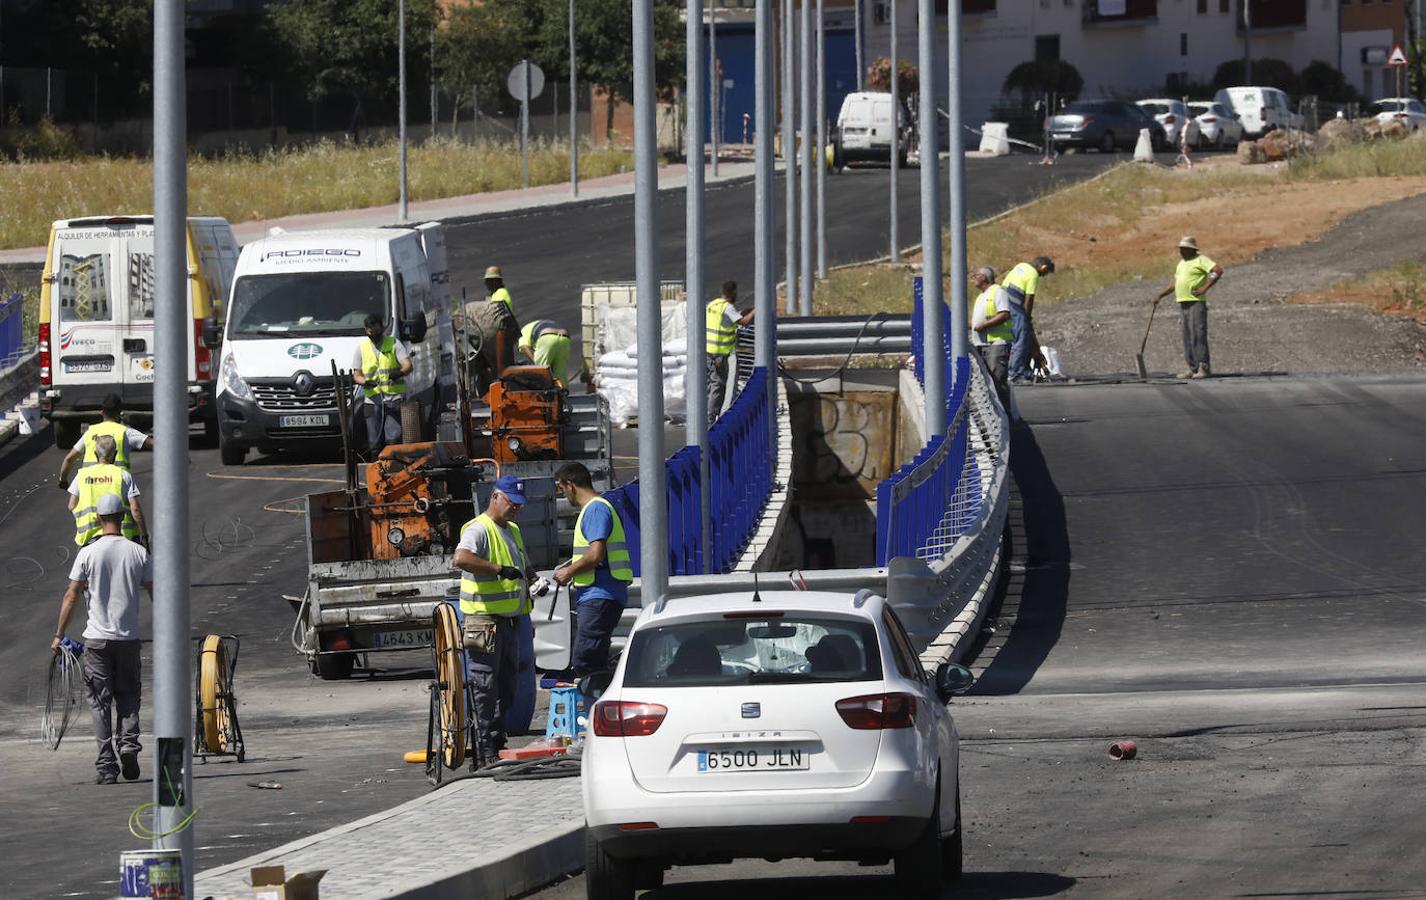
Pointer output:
x,y
1155,109
1088,106
793,648
1199,109
1386,106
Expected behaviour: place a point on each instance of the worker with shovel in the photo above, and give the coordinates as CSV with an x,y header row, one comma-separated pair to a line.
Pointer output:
x,y
1193,279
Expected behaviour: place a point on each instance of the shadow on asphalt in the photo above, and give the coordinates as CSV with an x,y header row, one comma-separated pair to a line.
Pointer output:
x,y
1044,586
971,886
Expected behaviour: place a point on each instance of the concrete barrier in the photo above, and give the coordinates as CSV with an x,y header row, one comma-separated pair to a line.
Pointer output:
x,y
995,138
1144,150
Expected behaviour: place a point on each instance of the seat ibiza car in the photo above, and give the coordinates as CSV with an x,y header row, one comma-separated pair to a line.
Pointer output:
x,y
786,724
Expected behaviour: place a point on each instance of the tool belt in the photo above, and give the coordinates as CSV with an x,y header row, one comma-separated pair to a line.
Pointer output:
x,y
477,633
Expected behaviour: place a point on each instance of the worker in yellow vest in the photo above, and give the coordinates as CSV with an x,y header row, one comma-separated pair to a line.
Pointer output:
x,y
546,343
495,288
991,331
127,439
495,575
380,366
101,479
721,325
600,570
1022,283
1192,280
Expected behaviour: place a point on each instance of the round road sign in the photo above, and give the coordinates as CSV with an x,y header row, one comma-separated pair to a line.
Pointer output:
x,y
516,81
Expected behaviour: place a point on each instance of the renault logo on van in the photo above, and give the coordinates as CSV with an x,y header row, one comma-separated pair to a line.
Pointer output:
x,y
305,350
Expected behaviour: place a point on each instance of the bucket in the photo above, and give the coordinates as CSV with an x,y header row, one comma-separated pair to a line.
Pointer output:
x,y
151,874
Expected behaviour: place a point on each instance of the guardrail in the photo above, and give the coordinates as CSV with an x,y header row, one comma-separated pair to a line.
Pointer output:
x,y
12,331
740,471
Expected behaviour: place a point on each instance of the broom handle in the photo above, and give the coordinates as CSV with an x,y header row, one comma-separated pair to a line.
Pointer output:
x,y
1153,309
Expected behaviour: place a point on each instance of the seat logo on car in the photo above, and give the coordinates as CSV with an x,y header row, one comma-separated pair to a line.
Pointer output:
x,y
752,710
305,350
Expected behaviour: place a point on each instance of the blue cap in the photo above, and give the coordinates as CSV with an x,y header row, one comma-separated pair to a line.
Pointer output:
x,y
511,487
110,505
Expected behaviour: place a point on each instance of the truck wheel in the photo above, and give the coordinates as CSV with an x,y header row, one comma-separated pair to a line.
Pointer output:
x,y
606,878
335,666
232,454
210,431
66,433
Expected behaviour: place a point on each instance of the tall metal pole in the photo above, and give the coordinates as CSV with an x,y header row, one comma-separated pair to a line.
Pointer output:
x,y
956,166
821,51
173,657
765,298
403,205
653,510
573,111
805,188
435,111
715,85
696,382
1247,42
934,361
789,158
525,126
857,39
895,253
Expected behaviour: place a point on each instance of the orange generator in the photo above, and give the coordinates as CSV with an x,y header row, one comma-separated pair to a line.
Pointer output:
x,y
527,415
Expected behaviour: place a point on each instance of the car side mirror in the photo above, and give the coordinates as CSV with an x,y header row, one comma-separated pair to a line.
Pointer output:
x,y
212,333
594,685
952,679
413,330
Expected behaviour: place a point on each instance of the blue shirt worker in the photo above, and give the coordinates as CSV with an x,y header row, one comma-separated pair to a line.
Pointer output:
x,y
600,570
495,574
1021,283
380,367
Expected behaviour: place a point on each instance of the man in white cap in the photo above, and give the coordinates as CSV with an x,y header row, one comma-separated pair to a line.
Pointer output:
x,y
495,288
1193,279
111,569
991,330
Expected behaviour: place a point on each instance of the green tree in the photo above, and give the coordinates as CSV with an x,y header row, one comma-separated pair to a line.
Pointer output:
x,y
1266,72
1035,78
1323,80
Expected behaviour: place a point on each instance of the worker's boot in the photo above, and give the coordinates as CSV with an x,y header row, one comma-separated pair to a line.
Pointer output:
x,y
1202,372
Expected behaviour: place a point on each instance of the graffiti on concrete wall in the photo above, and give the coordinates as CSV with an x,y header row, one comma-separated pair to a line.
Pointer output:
x,y
843,443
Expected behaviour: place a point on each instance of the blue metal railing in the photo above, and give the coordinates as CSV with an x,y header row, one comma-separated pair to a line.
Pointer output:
x,y
12,330
740,469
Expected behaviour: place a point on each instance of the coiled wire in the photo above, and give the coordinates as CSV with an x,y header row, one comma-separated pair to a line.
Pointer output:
x,y
64,689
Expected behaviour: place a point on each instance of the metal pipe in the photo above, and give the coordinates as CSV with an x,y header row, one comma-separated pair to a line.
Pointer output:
x,y
821,50
764,296
932,324
696,380
789,159
895,252
172,676
715,84
956,167
435,101
573,110
840,346
525,126
403,206
805,226
653,551
848,326
857,39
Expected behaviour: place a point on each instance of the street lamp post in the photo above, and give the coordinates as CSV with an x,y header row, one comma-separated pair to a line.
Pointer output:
x,y
789,158
696,422
895,253
805,228
933,363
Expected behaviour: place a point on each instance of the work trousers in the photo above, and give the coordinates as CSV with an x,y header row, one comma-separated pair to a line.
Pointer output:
x,y
492,684
383,422
1194,315
113,673
717,385
996,358
595,620
1020,345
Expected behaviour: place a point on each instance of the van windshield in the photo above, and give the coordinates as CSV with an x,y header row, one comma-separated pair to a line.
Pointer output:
x,y
307,303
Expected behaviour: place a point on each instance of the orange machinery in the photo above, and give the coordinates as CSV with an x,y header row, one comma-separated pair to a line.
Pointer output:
x,y
527,415
417,493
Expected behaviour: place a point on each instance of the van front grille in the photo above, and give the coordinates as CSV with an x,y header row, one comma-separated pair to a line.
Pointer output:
x,y
282,396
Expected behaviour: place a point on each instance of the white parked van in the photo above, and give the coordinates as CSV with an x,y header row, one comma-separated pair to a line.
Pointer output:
x,y
1259,109
864,128
298,305
96,318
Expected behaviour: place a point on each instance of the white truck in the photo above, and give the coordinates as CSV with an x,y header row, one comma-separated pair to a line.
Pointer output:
x,y
298,304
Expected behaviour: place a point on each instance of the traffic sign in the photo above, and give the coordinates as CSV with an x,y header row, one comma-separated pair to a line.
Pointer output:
x,y
516,81
1398,57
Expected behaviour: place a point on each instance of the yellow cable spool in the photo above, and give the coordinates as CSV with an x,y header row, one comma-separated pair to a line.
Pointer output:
x,y
450,670
213,682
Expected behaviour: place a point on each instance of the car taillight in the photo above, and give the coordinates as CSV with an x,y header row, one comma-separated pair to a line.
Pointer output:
x,y
877,711
1169,119
625,718
202,355
1209,119
45,375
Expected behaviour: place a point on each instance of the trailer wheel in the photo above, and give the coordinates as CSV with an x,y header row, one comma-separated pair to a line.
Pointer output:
x,y
66,433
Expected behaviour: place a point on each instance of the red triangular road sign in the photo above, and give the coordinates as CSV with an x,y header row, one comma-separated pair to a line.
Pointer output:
x,y
1398,56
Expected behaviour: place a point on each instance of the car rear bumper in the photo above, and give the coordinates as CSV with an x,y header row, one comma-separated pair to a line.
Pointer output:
x,y
702,843
82,401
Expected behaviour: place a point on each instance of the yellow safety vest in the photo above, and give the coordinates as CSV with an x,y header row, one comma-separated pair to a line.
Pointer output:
x,y
722,335
1002,332
1022,280
118,431
95,482
502,295
496,596
381,368
616,547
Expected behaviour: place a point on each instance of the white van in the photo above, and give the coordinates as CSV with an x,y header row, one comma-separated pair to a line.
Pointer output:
x,y
96,317
864,128
1259,109
298,305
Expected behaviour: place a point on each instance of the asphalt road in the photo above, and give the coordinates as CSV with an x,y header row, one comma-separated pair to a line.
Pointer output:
x,y
335,747
1229,573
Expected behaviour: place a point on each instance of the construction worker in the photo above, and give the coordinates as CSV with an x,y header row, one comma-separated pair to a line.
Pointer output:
x,y
103,479
1021,283
1192,280
495,575
110,570
600,570
380,367
496,290
721,323
127,439
991,331
547,344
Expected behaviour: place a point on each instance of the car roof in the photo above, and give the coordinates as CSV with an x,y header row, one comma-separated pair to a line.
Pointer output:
x,y
862,605
1158,100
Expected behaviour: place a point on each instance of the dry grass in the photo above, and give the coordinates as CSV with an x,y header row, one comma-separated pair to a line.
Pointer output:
x,y
1399,290
244,187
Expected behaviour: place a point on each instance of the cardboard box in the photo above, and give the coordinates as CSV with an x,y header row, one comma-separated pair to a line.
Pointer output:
x,y
272,883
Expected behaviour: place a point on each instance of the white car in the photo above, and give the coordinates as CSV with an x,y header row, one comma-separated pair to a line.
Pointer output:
x,y
1174,116
1407,110
1259,109
1218,126
790,724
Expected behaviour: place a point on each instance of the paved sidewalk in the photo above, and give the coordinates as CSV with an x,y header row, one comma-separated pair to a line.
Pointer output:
x,y
672,177
471,838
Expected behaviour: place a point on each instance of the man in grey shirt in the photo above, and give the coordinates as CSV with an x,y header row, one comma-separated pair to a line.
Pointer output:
x,y
112,569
